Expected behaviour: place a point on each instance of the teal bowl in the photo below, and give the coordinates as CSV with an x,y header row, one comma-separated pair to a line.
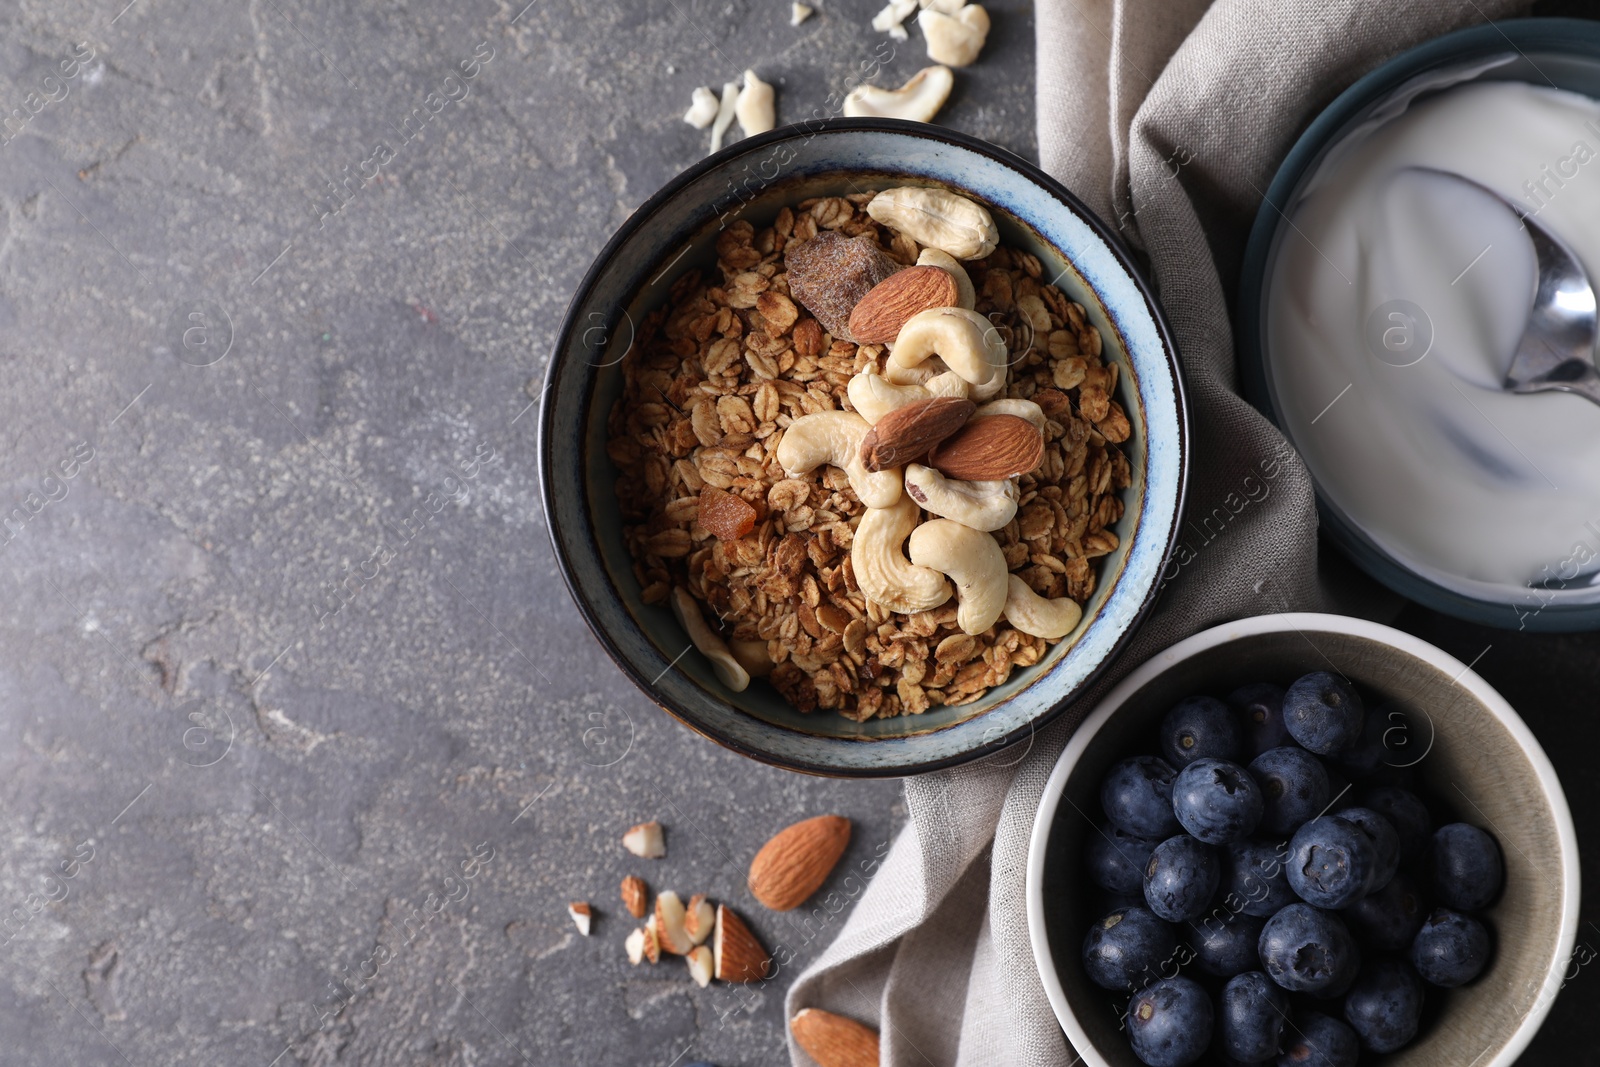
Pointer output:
x,y
676,229
1563,53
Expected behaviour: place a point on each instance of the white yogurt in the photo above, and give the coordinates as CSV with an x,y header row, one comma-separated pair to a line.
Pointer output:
x,y
1482,491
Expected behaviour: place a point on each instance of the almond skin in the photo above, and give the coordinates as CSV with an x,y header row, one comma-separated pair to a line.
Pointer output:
x,y
833,1040
989,448
736,954
633,895
906,433
796,862
878,317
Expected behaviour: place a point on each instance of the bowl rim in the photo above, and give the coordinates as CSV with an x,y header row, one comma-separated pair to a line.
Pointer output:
x,y
1226,633
1576,36
808,128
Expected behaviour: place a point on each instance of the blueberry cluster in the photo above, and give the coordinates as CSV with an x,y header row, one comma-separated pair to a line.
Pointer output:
x,y
1275,848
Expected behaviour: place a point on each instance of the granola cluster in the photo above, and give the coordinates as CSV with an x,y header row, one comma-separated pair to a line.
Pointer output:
x,y
719,372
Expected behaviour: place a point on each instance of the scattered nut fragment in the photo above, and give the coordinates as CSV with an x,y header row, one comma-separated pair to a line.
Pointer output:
x,y
798,859
967,342
973,560
830,274
712,647
582,915
948,7
669,916
633,895
652,940
645,841
833,1040
937,218
700,965
834,438
990,448
874,396
725,112
878,317
986,506
907,433
735,953
634,946
883,573
799,12
918,100
754,106
966,295
698,918
1033,614
889,20
702,108
955,39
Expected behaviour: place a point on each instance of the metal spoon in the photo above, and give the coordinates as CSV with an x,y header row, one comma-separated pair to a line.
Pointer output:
x,y
1556,350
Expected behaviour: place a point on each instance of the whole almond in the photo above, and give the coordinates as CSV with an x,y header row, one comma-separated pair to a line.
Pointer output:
x,y
633,895
878,317
833,1040
906,433
735,953
989,448
795,863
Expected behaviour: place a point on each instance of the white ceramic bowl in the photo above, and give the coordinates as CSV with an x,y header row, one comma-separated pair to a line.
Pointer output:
x,y
1478,757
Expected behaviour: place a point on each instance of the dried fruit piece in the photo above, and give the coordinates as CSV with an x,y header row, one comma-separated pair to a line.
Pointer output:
x,y
581,914
633,895
907,433
700,965
833,1040
725,516
737,955
645,841
669,924
989,448
791,866
878,317
634,946
698,918
831,273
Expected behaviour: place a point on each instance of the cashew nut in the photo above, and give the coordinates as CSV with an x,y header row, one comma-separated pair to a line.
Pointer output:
x,y
754,105
1033,614
949,7
725,110
919,99
947,383
981,505
710,645
937,218
702,108
973,560
799,12
835,437
955,39
885,576
752,656
966,295
1022,409
966,341
873,396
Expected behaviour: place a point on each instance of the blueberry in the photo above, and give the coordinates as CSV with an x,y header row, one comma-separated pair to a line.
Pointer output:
x,y
1384,1006
1216,801
1407,813
1200,728
1169,1023
1389,918
1385,840
1260,707
1251,1017
1465,867
1330,862
1137,797
1308,950
1224,942
1319,1040
1255,880
1450,949
1181,878
1294,789
1341,794
1385,735
1116,860
1323,713
1127,948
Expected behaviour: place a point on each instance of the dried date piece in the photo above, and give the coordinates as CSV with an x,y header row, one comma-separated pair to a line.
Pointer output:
x,y
831,273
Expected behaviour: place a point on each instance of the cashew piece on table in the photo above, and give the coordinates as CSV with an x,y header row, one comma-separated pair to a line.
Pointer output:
x,y
935,218
834,437
1033,614
874,396
966,295
983,506
955,38
1022,409
966,341
919,99
754,106
712,647
973,560
882,571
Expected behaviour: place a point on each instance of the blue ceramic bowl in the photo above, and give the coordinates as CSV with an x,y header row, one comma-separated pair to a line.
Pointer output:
x,y
677,229
1564,53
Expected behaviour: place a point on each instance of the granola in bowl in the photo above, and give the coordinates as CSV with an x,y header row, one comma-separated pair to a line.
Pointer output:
x,y
876,527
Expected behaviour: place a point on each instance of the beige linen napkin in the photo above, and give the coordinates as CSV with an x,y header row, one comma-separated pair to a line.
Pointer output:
x,y
1169,118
